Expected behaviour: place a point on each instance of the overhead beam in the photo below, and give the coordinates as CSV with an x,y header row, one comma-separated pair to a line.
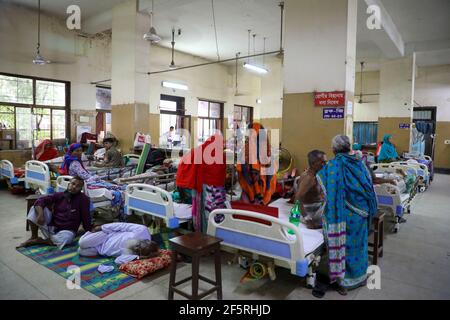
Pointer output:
x,y
424,46
392,46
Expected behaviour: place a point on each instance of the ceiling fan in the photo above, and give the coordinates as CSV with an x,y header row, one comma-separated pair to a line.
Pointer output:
x,y
151,35
38,59
172,64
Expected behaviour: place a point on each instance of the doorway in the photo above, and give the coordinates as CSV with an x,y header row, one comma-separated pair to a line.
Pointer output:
x,y
425,120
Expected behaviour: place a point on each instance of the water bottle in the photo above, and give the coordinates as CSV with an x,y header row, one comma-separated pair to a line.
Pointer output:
x,y
296,213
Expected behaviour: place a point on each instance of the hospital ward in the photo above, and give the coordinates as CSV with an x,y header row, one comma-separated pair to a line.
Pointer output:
x,y
225,150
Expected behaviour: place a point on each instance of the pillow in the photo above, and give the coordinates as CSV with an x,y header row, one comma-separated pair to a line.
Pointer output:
x,y
144,267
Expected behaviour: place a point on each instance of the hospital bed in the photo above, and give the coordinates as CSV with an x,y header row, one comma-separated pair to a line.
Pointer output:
x,y
423,159
151,178
106,173
100,198
395,198
420,170
37,176
143,199
7,172
300,253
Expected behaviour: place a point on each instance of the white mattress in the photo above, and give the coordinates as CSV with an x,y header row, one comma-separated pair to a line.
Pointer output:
x,y
99,194
312,239
182,210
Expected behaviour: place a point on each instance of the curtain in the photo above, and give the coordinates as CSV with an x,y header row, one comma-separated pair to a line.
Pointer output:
x,y
365,132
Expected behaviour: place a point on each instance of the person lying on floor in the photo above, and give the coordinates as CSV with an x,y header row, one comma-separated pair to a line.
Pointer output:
x,y
59,216
310,193
125,241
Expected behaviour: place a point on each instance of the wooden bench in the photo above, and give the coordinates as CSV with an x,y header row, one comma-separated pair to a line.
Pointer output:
x,y
377,229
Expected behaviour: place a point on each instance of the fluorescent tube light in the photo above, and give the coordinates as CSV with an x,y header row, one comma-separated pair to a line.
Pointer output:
x,y
255,68
173,85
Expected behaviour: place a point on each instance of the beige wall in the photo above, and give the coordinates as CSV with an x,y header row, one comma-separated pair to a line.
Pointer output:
x,y
272,123
367,111
442,151
17,157
400,136
432,89
133,118
304,129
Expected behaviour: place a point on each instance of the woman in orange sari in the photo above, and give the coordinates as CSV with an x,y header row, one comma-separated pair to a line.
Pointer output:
x,y
257,168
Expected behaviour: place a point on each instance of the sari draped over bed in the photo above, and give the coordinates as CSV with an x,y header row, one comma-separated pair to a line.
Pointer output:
x,y
258,180
206,178
350,206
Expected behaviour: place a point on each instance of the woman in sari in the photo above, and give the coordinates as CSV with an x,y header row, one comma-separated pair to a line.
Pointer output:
x,y
202,171
350,206
257,171
387,151
73,166
45,151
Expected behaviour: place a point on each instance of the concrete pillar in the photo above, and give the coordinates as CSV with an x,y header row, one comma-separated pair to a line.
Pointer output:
x,y
130,83
320,50
397,100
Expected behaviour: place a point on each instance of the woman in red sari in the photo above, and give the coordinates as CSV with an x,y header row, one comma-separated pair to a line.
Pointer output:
x,y
203,171
45,151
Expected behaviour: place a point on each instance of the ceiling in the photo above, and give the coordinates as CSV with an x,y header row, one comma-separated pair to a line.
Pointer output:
x,y
422,25
233,20
58,7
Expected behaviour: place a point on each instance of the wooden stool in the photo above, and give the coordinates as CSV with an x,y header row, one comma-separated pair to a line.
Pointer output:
x,y
378,235
31,199
195,245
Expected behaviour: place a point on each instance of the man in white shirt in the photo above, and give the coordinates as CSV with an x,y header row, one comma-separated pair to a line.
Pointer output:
x,y
168,137
126,241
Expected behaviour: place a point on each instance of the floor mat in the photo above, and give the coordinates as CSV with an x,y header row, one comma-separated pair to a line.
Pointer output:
x,y
93,281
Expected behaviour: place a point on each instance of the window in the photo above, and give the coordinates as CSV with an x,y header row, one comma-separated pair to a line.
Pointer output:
x,y
172,114
242,114
16,90
210,118
33,109
103,98
103,107
365,133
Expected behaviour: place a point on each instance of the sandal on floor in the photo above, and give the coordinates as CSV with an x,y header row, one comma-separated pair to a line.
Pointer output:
x,y
339,289
319,290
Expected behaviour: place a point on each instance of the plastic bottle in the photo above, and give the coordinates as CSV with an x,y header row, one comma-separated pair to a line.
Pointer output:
x,y
295,215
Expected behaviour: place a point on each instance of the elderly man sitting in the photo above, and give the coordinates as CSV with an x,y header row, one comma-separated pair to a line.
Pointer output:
x,y
59,216
126,241
309,191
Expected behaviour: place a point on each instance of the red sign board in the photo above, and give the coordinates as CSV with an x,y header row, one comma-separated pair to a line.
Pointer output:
x,y
329,99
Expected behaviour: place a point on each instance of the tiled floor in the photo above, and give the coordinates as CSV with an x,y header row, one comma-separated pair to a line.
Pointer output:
x,y
416,263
